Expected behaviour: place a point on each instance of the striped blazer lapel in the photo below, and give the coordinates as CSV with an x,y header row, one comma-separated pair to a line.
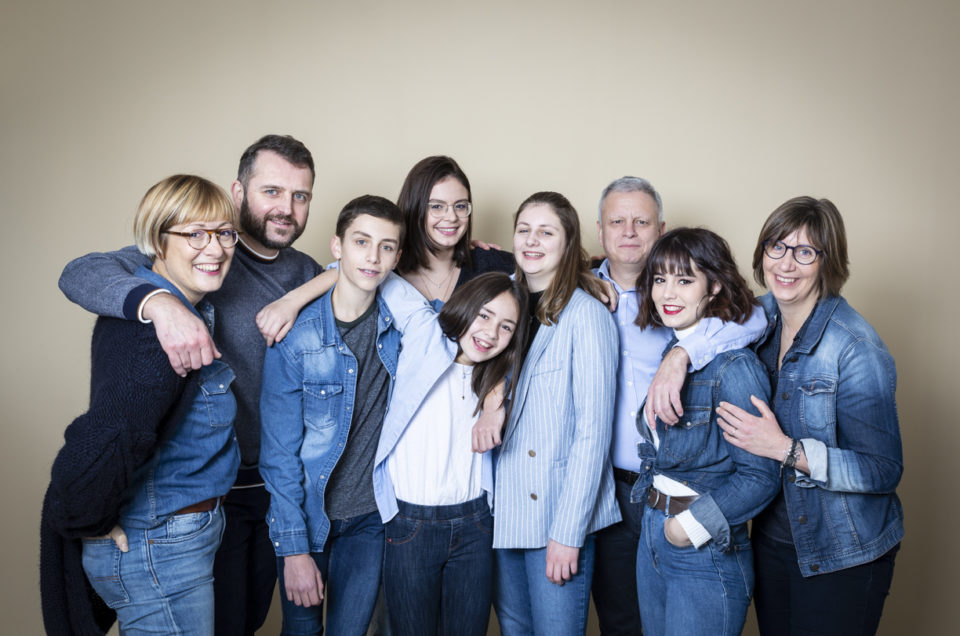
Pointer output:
x,y
539,345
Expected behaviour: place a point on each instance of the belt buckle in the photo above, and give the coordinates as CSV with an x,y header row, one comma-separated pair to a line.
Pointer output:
x,y
657,500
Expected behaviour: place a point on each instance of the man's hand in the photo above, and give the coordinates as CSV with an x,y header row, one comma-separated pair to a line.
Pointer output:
x,y
302,580
119,538
561,562
610,296
663,396
276,319
182,335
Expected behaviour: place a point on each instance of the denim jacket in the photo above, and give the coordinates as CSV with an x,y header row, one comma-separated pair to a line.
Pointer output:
x,y
836,393
733,485
306,408
197,457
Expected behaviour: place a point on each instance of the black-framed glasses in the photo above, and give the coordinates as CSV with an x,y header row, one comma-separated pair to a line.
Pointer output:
x,y
438,208
199,239
803,254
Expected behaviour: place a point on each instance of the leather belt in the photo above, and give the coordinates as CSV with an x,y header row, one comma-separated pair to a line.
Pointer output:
x,y
671,506
201,506
626,476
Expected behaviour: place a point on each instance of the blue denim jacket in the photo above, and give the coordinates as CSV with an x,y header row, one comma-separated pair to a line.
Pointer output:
x,y
734,485
198,456
306,407
836,392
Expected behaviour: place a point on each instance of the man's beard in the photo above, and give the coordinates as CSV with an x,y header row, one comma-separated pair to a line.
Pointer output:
x,y
257,227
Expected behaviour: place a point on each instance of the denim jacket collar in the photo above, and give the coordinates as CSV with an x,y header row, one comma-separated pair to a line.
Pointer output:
x,y
812,330
330,335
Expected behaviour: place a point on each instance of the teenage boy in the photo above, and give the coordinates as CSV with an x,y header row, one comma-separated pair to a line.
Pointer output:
x,y
325,391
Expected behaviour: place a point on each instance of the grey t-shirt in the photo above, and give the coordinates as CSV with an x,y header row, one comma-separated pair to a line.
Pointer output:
x,y
350,491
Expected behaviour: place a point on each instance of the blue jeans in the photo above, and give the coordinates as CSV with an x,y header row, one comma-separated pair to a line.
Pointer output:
x,y
438,569
615,571
528,603
847,602
164,584
689,591
350,566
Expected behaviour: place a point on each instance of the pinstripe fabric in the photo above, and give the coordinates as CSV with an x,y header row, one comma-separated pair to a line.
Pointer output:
x,y
553,477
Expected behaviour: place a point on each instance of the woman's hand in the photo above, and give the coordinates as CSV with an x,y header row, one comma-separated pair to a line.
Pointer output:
x,y
675,534
610,296
276,319
483,245
760,436
119,538
561,562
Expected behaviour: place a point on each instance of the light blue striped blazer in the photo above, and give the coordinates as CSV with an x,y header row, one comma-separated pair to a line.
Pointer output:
x,y
553,477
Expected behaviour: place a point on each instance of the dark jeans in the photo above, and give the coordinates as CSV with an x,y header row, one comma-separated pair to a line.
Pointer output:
x,y
245,568
615,569
846,602
438,569
350,567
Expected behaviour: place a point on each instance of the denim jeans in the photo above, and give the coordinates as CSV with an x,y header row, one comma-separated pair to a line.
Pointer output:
x,y
245,568
164,584
350,566
438,569
615,570
528,603
689,591
847,602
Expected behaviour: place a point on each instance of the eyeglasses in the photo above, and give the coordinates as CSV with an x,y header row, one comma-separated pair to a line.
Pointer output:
x,y
199,239
438,208
803,254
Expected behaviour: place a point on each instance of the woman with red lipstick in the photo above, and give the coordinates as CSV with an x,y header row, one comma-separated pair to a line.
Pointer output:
x,y
554,486
132,517
694,562
825,548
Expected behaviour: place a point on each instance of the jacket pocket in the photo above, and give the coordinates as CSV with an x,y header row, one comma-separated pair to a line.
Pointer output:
x,y
818,403
688,438
322,404
216,394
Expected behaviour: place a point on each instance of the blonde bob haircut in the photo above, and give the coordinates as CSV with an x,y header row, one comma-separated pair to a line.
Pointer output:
x,y
178,200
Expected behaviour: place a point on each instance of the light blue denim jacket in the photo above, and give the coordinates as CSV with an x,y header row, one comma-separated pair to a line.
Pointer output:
x,y
306,408
198,456
836,392
733,485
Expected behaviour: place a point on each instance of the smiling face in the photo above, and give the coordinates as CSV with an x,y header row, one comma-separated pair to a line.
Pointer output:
x,y
490,332
194,272
445,231
538,241
795,286
367,252
275,202
680,299
629,227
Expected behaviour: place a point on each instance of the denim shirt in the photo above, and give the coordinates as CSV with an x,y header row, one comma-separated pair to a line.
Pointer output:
x,y
733,485
198,456
835,391
306,408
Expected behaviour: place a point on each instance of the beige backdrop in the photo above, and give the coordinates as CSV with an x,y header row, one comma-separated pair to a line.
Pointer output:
x,y
729,108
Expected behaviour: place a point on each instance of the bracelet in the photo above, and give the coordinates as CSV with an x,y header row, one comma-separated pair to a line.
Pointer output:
x,y
790,460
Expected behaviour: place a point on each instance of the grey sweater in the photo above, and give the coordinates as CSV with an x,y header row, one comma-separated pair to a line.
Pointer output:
x,y
104,283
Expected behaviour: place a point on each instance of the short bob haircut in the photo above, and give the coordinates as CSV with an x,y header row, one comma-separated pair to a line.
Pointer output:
x,y
574,270
824,225
177,200
413,199
676,252
371,205
461,310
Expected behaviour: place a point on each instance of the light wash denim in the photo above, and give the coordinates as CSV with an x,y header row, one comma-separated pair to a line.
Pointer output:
x,y
164,584
350,566
692,591
528,603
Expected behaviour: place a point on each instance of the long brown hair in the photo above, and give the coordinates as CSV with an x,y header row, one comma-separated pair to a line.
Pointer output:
x,y
574,269
461,310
